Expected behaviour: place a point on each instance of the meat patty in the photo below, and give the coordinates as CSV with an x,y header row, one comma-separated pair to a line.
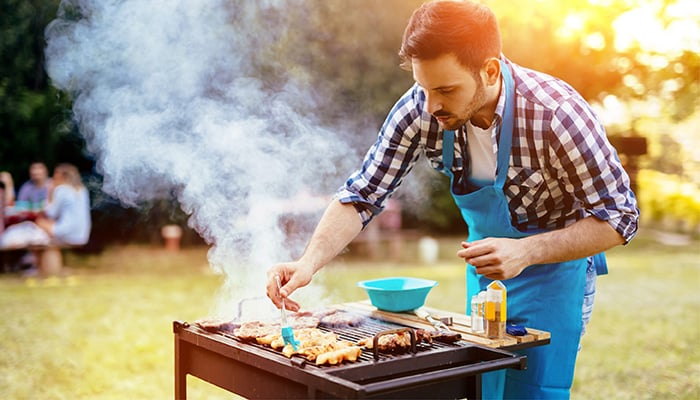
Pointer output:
x,y
216,325
252,330
340,319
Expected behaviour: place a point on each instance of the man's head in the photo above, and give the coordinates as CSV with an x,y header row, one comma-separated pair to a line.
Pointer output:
x,y
38,173
466,29
453,48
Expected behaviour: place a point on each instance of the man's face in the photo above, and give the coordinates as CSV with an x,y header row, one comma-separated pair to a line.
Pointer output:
x,y
453,94
38,173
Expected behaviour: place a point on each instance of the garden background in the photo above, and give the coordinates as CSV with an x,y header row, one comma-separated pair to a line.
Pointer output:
x,y
216,115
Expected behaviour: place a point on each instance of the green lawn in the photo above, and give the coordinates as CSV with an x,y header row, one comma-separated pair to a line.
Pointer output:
x,y
104,331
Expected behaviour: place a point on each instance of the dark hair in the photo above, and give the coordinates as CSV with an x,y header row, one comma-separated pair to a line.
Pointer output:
x,y
468,30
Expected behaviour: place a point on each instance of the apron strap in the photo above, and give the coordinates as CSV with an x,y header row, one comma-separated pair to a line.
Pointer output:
x,y
505,139
506,131
448,152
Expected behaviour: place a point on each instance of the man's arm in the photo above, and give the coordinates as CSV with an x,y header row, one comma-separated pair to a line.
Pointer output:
x,y
339,225
503,258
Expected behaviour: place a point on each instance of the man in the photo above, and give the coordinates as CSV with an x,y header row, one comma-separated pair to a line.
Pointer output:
x,y
36,190
540,187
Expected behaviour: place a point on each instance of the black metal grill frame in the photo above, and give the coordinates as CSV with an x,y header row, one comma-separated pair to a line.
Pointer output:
x,y
436,370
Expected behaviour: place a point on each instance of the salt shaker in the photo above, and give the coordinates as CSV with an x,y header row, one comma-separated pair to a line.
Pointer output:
x,y
477,314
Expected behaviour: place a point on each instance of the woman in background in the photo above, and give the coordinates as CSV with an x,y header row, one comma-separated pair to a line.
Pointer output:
x,y
66,218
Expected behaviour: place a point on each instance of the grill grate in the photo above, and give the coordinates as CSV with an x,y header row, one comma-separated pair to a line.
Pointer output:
x,y
372,326
367,328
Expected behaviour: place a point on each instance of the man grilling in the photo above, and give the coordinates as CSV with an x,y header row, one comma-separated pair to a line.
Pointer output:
x,y
541,189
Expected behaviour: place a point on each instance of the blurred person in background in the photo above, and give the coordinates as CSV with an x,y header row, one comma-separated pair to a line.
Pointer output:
x,y
540,187
8,182
33,193
66,217
64,221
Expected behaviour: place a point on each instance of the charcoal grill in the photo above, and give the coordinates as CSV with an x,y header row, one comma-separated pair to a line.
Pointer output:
x,y
436,370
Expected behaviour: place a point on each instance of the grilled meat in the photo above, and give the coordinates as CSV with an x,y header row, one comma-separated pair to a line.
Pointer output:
x,y
335,318
395,342
254,330
349,353
445,336
315,345
216,325
301,321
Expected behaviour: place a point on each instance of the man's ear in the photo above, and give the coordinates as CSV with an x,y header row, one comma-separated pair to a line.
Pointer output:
x,y
491,70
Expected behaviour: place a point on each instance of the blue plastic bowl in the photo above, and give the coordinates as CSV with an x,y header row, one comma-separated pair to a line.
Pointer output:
x,y
397,294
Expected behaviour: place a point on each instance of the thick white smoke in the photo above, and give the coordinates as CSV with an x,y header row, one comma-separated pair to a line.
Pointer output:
x,y
170,99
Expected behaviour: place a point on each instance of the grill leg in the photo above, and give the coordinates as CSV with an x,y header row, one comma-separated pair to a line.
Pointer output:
x,y
180,374
474,387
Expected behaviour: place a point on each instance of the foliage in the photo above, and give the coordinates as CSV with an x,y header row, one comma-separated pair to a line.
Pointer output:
x,y
578,42
673,147
552,37
34,117
669,201
347,54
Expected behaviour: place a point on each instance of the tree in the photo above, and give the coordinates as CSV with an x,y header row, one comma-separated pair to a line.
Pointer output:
x,y
346,52
34,116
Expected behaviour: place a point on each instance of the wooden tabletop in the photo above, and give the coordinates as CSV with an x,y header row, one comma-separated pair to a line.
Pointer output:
x,y
461,323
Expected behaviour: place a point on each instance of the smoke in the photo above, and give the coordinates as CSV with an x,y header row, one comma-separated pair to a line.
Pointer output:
x,y
191,98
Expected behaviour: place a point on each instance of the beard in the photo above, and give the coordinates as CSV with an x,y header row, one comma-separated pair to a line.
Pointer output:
x,y
454,121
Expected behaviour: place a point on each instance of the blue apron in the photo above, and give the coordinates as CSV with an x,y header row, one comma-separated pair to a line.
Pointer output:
x,y
547,297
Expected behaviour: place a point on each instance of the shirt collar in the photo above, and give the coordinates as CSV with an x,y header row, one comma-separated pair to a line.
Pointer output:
x,y
501,106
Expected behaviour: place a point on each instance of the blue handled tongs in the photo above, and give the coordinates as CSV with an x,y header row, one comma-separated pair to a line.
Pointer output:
x,y
287,332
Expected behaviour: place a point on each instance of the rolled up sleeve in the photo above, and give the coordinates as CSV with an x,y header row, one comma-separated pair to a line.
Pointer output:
x,y
592,169
387,162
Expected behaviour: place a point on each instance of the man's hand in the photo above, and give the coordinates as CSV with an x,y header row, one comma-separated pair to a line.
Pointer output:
x,y
338,226
292,275
496,258
503,258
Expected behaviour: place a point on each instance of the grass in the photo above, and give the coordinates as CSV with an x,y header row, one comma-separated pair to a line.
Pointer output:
x,y
644,334
104,331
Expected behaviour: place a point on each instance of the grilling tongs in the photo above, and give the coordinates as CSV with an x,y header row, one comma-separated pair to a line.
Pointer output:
x,y
442,332
287,332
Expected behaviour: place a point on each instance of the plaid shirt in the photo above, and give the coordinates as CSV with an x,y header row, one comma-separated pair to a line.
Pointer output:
x,y
562,167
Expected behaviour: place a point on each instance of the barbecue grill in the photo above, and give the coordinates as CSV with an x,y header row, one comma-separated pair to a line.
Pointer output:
x,y
436,370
